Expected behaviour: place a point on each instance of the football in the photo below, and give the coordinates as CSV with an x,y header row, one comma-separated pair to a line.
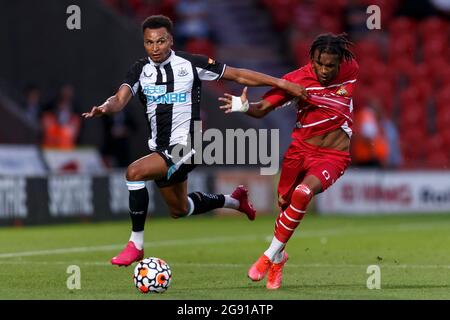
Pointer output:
x,y
152,275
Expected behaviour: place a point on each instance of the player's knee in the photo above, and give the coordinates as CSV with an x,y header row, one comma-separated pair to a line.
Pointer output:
x,y
177,212
133,173
301,196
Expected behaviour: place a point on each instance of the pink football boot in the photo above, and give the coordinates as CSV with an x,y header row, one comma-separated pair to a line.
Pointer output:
x,y
128,255
260,268
276,273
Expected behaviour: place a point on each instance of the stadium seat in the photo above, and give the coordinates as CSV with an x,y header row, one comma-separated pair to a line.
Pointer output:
x,y
412,151
368,49
361,96
413,117
301,52
331,24
332,10
408,97
367,67
439,68
384,90
404,46
442,116
445,134
436,154
437,160
424,89
435,46
433,26
400,65
200,46
442,99
402,25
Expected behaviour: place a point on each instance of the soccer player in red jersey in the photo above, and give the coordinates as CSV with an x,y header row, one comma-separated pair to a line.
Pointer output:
x,y
319,151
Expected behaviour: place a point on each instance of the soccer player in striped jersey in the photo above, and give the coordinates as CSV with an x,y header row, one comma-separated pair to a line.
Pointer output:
x,y
168,83
319,151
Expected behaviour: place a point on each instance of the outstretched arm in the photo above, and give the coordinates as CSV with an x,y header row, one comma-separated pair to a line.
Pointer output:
x,y
256,79
113,104
254,109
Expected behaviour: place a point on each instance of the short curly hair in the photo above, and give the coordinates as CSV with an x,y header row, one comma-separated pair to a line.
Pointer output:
x,y
158,21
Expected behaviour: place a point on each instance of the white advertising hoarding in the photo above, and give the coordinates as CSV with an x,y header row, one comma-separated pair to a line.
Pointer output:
x,y
21,160
82,160
362,192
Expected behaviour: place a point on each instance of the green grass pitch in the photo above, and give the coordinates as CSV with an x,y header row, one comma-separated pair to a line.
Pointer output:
x,y
209,257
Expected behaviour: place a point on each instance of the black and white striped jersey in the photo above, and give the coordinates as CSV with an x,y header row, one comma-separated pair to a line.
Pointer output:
x,y
171,92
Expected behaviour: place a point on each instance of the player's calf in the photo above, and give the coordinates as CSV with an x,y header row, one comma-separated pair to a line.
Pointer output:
x,y
289,219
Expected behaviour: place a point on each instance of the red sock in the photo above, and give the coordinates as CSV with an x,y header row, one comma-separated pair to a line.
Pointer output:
x,y
290,218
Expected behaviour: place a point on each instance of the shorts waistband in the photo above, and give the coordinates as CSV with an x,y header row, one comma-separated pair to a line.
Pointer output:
x,y
311,147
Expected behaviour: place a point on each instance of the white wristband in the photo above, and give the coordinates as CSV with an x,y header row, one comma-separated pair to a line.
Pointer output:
x,y
237,105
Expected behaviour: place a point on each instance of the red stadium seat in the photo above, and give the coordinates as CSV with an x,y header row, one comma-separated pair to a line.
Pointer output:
x,y
373,71
437,160
424,89
301,52
408,97
200,46
412,151
334,10
413,117
442,119
444,76
361,96
442,98
435,46
432,26
436,154
385,92
439,70
403,46
445,134
434,143
402,25
330,24
368,49
401,65
420,73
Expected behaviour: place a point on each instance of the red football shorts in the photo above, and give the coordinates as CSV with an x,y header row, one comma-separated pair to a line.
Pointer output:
x,y
303,159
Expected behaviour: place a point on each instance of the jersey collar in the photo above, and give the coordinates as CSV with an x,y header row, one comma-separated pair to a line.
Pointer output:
x,y
169,58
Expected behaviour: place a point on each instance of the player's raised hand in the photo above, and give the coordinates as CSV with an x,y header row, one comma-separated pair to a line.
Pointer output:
x,y
95,112
295,90
233,103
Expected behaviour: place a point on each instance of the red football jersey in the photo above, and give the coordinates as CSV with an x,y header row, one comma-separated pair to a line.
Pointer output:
x,y
327,108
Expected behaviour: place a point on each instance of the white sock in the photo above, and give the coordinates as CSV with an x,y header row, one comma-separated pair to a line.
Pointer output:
x,y
274,250
191,206
278,257
230,202
138,239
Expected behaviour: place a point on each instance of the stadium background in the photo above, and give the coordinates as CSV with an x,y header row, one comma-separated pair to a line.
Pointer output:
x,y
52,175
401,105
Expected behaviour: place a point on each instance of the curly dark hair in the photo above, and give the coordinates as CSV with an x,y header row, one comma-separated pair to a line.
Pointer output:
x,y
332,44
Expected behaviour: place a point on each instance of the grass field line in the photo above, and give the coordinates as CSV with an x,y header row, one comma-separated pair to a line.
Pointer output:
x,y
352,230
234,265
